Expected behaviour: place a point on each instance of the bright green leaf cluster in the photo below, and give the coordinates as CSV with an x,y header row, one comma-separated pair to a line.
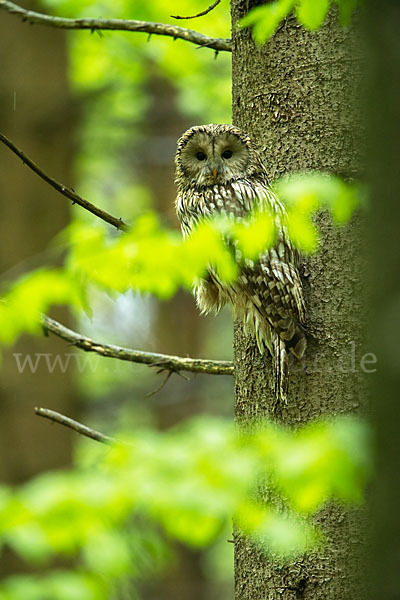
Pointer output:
x,y
188,483
57,585
265,19
148,258
33,294
312,14
309,192
306,193
152,259
322,460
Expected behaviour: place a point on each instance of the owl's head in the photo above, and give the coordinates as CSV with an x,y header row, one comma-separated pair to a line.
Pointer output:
x,y
215,154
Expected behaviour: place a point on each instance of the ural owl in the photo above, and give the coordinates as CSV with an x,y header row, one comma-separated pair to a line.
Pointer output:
x,y
219,171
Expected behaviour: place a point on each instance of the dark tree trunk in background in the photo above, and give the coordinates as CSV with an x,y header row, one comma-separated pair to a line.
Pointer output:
x,y
294,97
384,176
34,113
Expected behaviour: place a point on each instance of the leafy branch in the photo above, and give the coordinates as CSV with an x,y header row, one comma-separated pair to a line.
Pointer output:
x,y
218,44
151,259
164,362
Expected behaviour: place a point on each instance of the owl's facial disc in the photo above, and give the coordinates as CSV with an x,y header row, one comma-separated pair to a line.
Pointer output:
x,y
210,160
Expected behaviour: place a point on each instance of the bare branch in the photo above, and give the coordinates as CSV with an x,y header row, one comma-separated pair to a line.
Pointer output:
x,y
57,417
219,44
65,191
165,362
200,14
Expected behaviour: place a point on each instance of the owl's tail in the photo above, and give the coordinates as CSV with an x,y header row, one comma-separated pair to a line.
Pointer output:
x,y
269,339
281,369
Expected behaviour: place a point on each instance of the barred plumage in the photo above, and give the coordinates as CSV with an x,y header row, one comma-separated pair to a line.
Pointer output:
x,y
219,171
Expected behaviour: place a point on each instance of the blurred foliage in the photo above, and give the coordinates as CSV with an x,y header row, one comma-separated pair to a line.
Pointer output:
x,y
265,18
152,259
113,515
306,193
110,73
43,288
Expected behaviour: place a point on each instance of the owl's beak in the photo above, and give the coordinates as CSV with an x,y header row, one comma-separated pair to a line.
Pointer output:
x,y
214,172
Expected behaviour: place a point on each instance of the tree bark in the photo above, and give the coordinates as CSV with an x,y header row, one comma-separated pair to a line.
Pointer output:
x,y
295,97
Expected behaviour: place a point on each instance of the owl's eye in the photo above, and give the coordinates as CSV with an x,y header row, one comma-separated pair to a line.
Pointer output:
x,y
201,156
227,154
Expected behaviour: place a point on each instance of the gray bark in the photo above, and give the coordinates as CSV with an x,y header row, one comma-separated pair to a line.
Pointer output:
x,y
294,96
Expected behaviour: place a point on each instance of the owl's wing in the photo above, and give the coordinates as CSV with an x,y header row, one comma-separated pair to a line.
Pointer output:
x,y
273,283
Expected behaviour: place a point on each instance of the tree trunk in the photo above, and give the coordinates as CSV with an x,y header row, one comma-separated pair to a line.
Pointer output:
x,y
35,112
294,97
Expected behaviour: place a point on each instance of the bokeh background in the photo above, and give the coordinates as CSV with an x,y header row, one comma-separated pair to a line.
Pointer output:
x,y
102,113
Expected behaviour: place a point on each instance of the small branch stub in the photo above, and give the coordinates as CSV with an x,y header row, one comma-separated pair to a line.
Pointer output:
x,y
57,417
64,190
200,14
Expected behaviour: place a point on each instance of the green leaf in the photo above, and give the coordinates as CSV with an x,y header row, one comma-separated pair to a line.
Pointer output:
x,y
287,535
255,235
188,482
306,193
265,19
108,553
31,295
58,585
312,13
153,259
302,231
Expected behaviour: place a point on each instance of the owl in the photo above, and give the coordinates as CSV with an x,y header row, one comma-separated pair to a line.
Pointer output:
x,y
219,172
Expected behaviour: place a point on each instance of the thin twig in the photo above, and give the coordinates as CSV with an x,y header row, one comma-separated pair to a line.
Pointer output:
x,y
57,417
159,387
65,191
119,25
200,14
164,361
